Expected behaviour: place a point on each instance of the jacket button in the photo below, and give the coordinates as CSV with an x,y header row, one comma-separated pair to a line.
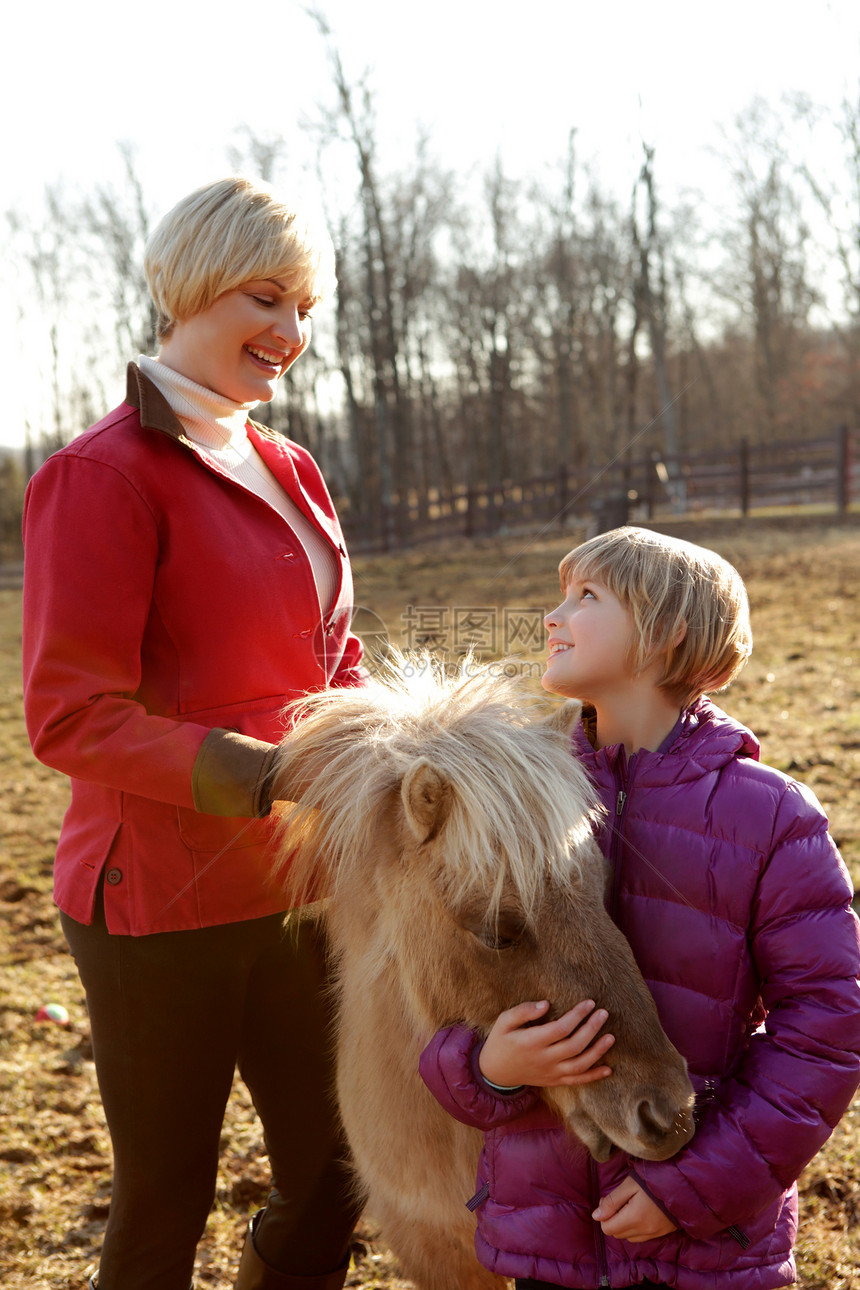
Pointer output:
x,y
113,876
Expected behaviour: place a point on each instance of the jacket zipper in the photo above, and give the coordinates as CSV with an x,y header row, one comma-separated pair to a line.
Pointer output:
x,y
623,779
479,1197
599,1238
624,776
623,782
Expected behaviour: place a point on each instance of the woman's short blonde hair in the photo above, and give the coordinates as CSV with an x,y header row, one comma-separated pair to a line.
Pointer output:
x,y
227,233
688,604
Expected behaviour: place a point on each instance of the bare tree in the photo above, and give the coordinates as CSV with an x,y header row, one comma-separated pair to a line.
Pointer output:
x,y
421,208
118,223
559,274
354,115
46,251
650,247
837,196
767,271
263,155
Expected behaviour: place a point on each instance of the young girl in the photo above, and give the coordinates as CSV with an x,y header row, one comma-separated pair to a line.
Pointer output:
x,y
737,906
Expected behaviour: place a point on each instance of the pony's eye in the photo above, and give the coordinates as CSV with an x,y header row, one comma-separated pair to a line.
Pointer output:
x,y
493,941
504,933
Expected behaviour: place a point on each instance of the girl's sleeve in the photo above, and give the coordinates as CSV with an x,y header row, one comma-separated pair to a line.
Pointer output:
x,y
91,549
449,1068
802,1067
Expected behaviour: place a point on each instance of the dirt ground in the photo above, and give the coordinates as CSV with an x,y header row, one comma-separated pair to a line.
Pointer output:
x,y
800,693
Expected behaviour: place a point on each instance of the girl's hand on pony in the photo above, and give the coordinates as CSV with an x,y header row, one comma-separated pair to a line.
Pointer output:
x,y
629,1214
564,1051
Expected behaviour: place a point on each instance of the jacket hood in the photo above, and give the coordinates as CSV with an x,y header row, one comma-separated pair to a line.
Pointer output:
x,y
704,738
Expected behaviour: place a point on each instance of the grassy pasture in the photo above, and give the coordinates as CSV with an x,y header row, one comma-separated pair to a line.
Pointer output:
x,y
800,693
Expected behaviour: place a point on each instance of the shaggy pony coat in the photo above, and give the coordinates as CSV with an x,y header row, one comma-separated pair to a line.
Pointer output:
x,y
454,839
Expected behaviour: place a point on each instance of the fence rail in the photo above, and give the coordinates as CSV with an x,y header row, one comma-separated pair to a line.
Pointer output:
x,y
812,471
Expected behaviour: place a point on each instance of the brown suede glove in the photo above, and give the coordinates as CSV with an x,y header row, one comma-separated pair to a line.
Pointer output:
x,y
233,775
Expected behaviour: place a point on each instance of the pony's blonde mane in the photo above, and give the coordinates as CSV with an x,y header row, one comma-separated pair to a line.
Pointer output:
x,y
521,805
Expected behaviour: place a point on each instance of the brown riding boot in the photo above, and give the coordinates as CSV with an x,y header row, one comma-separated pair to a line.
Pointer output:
x,y
254,1274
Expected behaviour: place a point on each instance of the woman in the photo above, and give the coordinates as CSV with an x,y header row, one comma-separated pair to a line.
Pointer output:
x,y
185,577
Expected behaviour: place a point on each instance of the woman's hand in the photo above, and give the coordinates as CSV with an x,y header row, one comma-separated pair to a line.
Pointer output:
x,y
629,1214
564,1051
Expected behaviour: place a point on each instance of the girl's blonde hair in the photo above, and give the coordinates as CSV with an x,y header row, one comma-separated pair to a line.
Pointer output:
x,y
687,603
227,233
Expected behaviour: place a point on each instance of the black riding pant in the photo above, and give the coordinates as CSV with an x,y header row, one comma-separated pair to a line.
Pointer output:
x,y
172,1015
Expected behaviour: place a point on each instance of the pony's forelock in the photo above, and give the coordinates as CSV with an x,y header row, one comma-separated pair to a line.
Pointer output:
x,y
520,807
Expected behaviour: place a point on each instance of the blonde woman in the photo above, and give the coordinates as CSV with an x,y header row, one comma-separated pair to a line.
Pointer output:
x,y
186,576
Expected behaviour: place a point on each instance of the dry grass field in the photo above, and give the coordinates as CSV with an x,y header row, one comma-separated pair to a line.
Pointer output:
x,y
800,693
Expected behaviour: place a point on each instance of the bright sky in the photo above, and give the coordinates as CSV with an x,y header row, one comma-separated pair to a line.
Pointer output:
x,y
179,78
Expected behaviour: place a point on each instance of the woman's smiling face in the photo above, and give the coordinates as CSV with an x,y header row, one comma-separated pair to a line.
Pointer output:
x,y
243,343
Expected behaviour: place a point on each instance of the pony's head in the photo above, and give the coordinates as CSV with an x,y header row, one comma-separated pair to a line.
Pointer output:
x,y
453,833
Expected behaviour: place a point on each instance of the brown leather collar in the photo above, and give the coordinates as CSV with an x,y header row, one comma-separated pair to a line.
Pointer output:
x,y
155,412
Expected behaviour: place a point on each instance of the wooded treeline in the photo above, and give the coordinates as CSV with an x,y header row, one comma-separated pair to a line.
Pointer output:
x,y
478,338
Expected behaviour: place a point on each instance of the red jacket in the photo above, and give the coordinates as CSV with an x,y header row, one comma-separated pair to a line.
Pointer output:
x,y
161,600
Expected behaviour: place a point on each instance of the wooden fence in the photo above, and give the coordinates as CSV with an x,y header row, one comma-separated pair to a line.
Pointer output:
x,y
787,473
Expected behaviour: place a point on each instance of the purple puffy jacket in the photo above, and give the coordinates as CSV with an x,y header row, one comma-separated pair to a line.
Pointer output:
x,y
737,906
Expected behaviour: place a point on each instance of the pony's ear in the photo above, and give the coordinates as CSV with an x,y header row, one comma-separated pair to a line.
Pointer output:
x,y
564,717
427,796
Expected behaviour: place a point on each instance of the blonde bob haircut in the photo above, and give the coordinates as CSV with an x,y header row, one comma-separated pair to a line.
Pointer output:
x,y
227,233
688,604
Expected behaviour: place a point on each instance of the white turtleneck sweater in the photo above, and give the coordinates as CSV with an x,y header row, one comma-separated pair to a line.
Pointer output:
x,y
217,426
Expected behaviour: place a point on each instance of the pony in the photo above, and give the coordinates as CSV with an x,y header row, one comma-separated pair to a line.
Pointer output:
x,y
451,837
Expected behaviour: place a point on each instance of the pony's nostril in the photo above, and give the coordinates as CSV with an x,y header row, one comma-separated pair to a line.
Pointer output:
x,y
656,1116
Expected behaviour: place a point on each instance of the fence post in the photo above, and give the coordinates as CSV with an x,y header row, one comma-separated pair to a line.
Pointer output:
x,y
649,466
745,477
470,511
842,477
561,495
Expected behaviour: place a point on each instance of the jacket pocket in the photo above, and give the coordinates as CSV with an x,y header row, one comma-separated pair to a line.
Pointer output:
x,y
210,834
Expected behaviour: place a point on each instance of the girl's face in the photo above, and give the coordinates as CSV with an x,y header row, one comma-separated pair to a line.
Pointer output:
x,y
590,636
243,343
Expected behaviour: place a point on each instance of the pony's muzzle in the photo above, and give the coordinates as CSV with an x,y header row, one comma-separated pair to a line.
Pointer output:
x,y
650,1125
663,1128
